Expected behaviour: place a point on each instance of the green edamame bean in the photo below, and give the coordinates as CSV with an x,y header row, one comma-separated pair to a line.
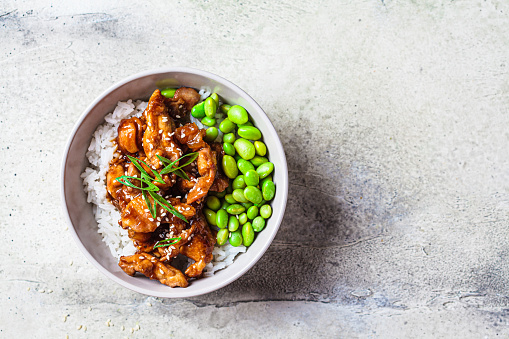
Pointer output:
x,y
215,97
261,148
247,234
238,115
258,160
211,134
249,132
222,236
237,157
169,92
229,138
265,211
230,166
253,194
226,126
268,190
236,238
208,121
247,204
213,203
228,149
225,108
244,166
224,204
222,218
258,224
198,110
249,123
235,209
233,223
268,178
261,203
242,218
252,212
265,169
210,107
251,178
238,195
229,199
244,148
210,215
218,194
239,182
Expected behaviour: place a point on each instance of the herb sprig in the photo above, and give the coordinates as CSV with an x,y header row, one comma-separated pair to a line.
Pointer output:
x,y
166,243
151,188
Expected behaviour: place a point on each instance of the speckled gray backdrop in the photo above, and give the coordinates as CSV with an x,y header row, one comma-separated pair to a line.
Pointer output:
x,y
394,118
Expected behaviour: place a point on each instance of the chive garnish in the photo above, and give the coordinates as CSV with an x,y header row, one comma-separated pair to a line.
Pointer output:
x,y
165,243
151,188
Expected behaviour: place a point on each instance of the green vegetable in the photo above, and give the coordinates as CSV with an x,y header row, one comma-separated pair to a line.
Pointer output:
x,y
225,108
215,97
230,166
208,121
228,149
229,199
252,212
238,115
224,204
169,92
211,216
213,203
238,195
261,148
210,107
268,190
198,110
251,178
229,137
258,224
253,194
239,182
244,148
243,218
236,238
247,234
258,160
249,132
235,209
265,211
167,242
221,218
265,169
233,223
211,134
226,126
244,166
222,236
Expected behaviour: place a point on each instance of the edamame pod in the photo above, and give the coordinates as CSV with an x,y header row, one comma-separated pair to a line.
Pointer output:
x,y
238,115
244,148
249,132
247,234
253,194
258,224
265,169
230,166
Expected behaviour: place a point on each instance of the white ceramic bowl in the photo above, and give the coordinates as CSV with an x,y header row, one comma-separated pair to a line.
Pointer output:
x,y
79,213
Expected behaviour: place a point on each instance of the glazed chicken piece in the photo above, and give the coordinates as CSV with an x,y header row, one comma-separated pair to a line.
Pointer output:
x,y
151,267
191,136
114,187
182,102
200,247
158,137
130,133
137,217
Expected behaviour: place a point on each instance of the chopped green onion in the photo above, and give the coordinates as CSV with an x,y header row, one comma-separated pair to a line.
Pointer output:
x,y
142,170
151,187
165,243
166,205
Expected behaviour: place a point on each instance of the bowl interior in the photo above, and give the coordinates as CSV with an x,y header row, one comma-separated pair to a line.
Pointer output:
x,y
79,212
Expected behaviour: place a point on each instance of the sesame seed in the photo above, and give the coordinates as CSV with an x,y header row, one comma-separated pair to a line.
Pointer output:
x,y
158,223
160,131
151,219
178,116
141,257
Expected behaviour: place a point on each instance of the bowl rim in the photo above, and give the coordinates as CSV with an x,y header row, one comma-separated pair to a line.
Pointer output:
x,y
184,292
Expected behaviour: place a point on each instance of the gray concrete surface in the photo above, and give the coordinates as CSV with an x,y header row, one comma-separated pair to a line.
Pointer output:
x,y
394,118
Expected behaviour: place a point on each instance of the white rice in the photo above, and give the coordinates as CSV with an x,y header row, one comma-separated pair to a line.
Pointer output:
x,y
100,153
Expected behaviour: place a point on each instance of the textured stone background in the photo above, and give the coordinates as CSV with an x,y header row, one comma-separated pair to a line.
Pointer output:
x,y
394,118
